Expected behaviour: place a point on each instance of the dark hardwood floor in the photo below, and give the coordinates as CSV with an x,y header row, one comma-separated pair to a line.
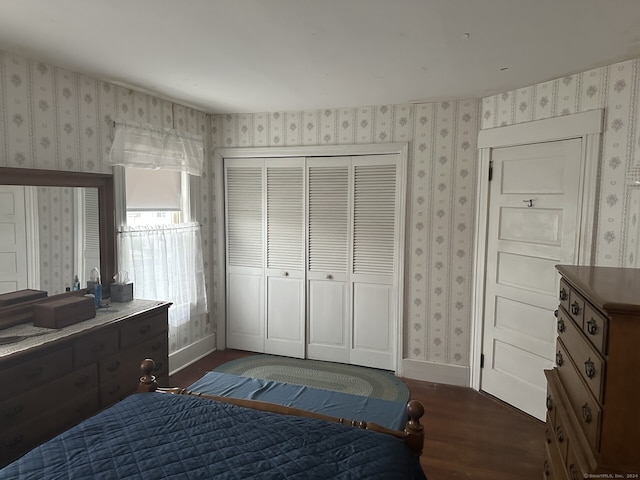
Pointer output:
x,y
468,434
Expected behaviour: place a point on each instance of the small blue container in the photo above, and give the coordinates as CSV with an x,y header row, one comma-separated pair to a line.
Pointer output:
x,y
97,295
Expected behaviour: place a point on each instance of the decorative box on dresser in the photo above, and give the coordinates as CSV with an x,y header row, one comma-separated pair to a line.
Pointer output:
x,y
54,378
593,393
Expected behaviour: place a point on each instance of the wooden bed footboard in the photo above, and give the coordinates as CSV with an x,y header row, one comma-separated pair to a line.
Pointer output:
x,y
413,433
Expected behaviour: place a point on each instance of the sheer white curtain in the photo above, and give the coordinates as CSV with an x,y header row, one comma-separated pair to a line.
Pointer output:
x,y
165,263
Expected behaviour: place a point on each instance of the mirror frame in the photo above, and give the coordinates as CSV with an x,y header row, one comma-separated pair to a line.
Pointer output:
x,y
60,178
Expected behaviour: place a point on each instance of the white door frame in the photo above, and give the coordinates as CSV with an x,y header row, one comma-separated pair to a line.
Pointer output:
x,y
587,126
220,154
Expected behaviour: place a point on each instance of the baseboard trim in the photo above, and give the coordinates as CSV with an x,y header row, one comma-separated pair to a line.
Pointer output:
x,y
435,372
191,353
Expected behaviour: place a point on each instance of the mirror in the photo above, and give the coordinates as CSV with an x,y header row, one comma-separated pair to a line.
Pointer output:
x,y
64,223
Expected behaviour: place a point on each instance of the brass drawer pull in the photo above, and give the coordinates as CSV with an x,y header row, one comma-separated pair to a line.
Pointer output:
x,y
549,403
113,366
563,295
559,359
145,329
559,434
548,434
586,413
589,368
561,326
575,308
547,472
592,327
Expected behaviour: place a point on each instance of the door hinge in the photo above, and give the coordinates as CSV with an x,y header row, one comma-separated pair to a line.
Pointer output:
x,y
491,170
482,360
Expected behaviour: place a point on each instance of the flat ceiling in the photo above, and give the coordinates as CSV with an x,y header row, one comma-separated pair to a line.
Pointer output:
x,y
237,56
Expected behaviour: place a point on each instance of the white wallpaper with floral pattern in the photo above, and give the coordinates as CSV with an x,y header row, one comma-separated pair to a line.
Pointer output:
x,y
57,120
441,190
616,89
54,119
56,237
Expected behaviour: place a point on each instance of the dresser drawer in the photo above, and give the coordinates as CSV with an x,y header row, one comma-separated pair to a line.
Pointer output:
x,y
554,464
586,410
23,408
548,467
588,361
96,346
596,328
574,468
127,362
116,389
34,372
139,330
21,438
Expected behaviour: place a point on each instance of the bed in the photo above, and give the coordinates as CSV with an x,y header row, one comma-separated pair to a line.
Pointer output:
x,y
175,433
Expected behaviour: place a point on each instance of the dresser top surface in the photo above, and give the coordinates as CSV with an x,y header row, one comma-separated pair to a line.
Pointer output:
x,y
31,336
611,288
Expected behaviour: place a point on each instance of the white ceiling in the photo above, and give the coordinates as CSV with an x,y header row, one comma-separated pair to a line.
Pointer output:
x,y
234,56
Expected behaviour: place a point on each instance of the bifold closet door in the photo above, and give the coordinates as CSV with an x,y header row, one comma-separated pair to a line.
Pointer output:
x,y
373,277
285,238
244,201
329,193
353,241
265,227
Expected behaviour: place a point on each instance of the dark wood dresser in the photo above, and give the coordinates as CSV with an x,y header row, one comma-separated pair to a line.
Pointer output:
x,y
593,393
54,378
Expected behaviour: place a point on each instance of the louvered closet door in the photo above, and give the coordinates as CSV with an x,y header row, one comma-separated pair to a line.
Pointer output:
x,y
329,193
245,253
373,277
285,206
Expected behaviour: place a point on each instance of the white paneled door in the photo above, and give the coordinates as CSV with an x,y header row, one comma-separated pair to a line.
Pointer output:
x,y
245,254
13,239
376,208
285,207
329,220
533,219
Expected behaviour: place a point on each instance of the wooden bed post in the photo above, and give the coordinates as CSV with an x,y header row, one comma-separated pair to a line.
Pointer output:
x,y
147,380
413,428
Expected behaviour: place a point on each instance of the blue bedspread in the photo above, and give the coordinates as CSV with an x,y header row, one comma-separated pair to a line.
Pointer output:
x,y
336,404
155,436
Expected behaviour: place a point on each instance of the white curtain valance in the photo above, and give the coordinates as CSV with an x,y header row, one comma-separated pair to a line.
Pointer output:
x,y
146,146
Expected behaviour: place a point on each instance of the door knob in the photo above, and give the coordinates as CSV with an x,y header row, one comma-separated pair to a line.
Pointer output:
x,y
329,277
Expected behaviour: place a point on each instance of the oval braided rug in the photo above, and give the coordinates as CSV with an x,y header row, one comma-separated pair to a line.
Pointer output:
x,y
352,379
